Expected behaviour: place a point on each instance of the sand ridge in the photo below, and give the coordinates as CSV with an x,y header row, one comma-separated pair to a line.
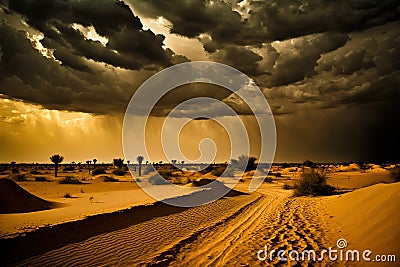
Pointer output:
x,y
141,242
15,199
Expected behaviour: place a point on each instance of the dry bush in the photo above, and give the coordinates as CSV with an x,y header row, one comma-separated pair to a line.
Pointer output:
x,y
99,170
41,179
395,173
68,195
312,182
70,180
287,186
120,171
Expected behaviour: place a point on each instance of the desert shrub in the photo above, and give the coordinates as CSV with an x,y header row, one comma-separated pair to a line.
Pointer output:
x,y
285,165
167,174
70,180
278,174
395,173
41,179
363,166
18,177
157,180
287,186
312,182
206,170
246,162
98,170
118,162
308,163
68,169
181,180
110,179
218,170
268,180
120,171
67,195
35,172
3,168
14,170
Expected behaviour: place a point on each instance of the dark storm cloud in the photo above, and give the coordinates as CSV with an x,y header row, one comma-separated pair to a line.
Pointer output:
x,y
192,18
25,74
77,79
287,19
129,46
266,21
243,59
299,56
349,108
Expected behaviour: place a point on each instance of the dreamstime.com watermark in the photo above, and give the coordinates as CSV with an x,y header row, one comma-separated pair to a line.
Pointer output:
x,y
340,253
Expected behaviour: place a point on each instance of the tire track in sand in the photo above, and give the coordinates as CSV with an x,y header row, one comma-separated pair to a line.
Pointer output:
x,y
277,221
142,243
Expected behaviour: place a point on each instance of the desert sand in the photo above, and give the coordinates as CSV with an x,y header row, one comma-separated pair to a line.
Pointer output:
x,y
368,218
117,224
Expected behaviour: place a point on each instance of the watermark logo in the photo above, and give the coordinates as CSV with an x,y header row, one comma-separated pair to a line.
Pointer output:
x,y
243,91
332,254
341,243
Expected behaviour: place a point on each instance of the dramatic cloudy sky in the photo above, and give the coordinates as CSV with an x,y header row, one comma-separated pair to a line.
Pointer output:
x,y
330,71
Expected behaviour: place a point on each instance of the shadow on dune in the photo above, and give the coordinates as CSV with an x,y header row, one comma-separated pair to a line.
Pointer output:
x,y
15,199
48,238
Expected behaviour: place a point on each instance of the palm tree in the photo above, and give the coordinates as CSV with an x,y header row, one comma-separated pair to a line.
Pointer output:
x,y
56,159
88,162
94,163
182,162
128,161
140,160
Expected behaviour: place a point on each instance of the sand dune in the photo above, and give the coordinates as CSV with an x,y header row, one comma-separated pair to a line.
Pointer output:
x,y
227,232
368,219
125,238
15,199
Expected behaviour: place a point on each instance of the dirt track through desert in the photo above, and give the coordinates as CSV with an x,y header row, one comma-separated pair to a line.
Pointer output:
x,y
276,220
227,232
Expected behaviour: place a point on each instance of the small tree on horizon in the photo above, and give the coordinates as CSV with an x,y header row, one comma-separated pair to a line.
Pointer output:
x,y
88,162
56,159
247,163
308,163
94,163
140,160
118,162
